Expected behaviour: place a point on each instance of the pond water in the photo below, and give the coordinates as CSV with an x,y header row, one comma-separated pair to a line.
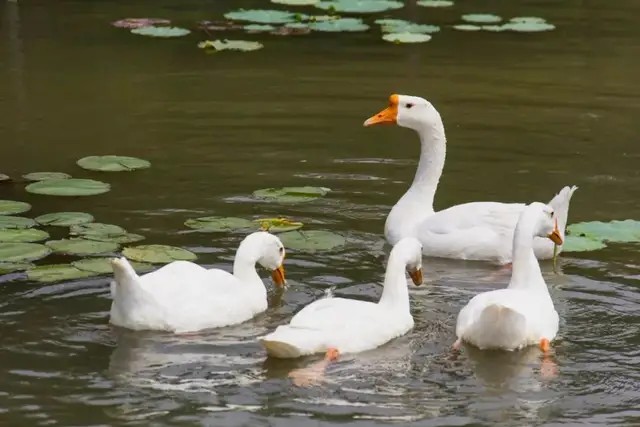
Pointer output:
x,y
525,115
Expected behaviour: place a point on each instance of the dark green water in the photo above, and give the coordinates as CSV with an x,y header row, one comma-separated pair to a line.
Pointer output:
x,y
525,115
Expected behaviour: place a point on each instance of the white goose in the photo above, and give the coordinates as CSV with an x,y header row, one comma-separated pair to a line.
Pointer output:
x,y
522,314
339,325
473,231
185,297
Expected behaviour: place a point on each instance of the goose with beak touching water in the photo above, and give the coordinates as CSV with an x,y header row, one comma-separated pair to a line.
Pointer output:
x,y
522,314
185,297
471,231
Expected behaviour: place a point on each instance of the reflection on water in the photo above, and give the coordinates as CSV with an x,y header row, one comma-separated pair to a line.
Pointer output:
x,y
525,115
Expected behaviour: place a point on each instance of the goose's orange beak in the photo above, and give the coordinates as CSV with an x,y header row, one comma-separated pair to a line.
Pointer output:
x,y
416,276
555,235
277,276
387,116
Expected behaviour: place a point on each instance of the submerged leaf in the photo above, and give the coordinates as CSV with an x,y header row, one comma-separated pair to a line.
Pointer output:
x,y
406,37
240,45
64,219
20,252
292,29
162,32
627,231
258,28
12,207
41,176
339,25
26,235
220,224
296,2
56,273
401,26
103,265
312,241
113,163
261,16
291,194
15,222
131,23
158,254
81,247
10,267
219,26
360,6
467,27
68,187
278,225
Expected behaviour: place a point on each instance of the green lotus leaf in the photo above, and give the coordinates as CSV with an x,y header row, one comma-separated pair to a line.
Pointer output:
x,y
4,177
495,28
220,224
261,16
103,265
529,27
406,38
312,241
41,176
158,254
291,194
581,244
296,2
68,187
627,231
278,225
360,6
528,19
64,219
56,273
481,18
339,25
434,3
163,32
97,229
7,221
11,207
239,45
409,27
10,267
121,239
21,252
112,163
81,247
258,28
25,235
467,27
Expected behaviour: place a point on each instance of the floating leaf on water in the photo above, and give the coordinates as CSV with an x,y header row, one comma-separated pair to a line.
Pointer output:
x,y
495,28
291,194
112,163
162,32
296,2
56,273
131,23
626,231
261,16
481,18
121,239
220,224
408,27
41,176
311,241
528,19
406,37
360,6
219,26
100,232
529,27
64,219
240,45
258,28
321,18
103,265
339,25
4,177
278,225
434,3
467,27
581,244
81,247
158,254
12,207
25,235
68,187
10,267
15,222
21,252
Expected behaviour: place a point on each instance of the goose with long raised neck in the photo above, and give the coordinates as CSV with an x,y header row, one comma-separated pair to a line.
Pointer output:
x,y
185,297
471,231
522,314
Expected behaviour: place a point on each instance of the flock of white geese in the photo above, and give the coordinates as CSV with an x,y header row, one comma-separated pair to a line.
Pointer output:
x,y
185,297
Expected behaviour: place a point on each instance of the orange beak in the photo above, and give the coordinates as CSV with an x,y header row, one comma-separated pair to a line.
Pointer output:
x,y
277,276
387,116
555,235
416,276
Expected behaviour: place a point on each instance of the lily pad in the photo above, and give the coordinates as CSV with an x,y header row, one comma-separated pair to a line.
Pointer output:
x,y
103,265
112,163
4,177
581,244
339,25
103,233
220,224
139,22
467,27
406,38
41,176
261,16
312,241
15,222
402,26
64,219
21,252
528,19
121,239
626,231
360,6
25,235
11,207
529,27
68,187
296,2
481,18
278,225
10,267
162,32
158,254
81,247
434,3
56,273
258,28
291,194
240,45
495,28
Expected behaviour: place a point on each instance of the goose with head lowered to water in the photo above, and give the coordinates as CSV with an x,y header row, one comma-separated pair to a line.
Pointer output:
x,y
471,231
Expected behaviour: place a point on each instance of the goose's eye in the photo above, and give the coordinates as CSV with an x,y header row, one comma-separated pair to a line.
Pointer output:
x,y
409,105
281,250
551,214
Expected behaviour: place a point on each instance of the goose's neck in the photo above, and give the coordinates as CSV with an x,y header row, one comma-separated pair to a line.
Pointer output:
x,y
244,268
395,293
526,272
433,151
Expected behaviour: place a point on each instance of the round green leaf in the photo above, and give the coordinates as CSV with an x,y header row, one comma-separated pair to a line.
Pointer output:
x,y
68,187
434,3
258,28
528,27
81,247
581,244
467,27
495,28
339,25
25,235
261,16
20,252
10,267
163,32
312,241
103,265
56,273
278,225
64,219
120,239
158,254
402,26
406,38
112,163
239,45
296,2
218,223
481,18
626,231
11,207
528,19
41,176
360,6
291,194
4,177
15,222
99,229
